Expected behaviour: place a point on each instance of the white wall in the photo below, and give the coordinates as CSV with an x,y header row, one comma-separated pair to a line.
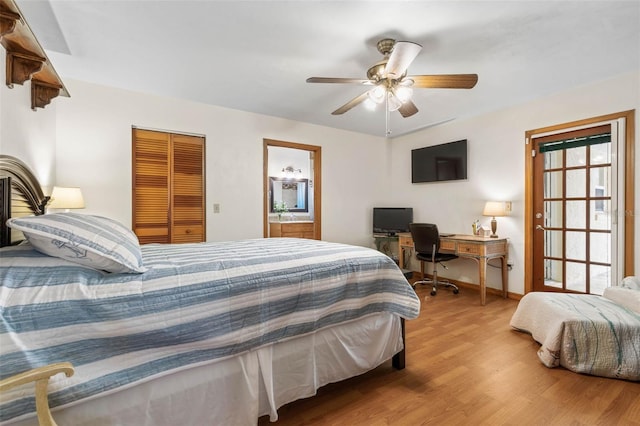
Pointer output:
x,y
26,134
94,152
281,157
496,149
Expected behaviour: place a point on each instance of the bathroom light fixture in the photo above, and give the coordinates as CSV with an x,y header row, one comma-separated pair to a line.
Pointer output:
x,y
290,173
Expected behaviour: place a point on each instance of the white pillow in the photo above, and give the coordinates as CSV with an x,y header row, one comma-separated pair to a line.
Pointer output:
x,y
631,282
626,297
94,241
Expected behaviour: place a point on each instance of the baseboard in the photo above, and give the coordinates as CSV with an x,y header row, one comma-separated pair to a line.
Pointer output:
x,y
467,285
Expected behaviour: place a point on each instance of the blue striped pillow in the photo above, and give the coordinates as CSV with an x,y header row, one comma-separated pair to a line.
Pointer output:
x,y
93,241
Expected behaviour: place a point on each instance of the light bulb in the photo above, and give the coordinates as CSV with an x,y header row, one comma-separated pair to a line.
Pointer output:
x,y
377,94
369,104
394,103
403,93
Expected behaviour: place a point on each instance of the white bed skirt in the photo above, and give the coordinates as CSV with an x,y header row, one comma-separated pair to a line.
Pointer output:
x,y
236,391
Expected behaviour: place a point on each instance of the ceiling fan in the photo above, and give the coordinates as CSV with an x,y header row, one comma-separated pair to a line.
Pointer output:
x,y
392,85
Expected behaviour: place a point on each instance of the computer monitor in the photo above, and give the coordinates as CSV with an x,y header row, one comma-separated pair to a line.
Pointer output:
x,y
391,220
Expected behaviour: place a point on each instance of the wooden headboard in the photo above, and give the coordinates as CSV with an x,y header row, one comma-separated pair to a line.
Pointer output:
x,y
20,195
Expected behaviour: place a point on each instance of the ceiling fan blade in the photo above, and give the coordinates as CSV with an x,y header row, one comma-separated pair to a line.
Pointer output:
x,y
444,81
408,108
353,102
338,80
403,53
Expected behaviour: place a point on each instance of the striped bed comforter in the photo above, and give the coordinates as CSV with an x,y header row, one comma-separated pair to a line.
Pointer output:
x,y
583,333
196,304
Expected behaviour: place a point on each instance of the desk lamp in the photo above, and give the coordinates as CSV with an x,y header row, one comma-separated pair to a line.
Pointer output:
x,y
494,208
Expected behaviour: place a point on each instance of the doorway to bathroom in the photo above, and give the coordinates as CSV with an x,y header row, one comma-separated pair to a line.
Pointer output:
x,y
292,177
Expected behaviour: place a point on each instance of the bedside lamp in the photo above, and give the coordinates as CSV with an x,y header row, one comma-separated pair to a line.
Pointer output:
x,y
494,209
66,198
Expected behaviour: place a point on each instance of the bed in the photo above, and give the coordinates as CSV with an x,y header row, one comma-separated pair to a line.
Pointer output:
x,y
590,334
210,333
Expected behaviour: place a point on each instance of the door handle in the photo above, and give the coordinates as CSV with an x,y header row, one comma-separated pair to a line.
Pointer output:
x,y
540,227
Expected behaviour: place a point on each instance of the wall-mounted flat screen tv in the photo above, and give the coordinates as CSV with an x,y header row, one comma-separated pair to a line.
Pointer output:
x,y
391,220
447,161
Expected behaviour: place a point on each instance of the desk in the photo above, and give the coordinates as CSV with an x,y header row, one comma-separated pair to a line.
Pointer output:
x,y
480,249
383,242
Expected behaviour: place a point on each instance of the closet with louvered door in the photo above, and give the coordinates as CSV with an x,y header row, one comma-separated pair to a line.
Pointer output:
x,y
187,189
168,187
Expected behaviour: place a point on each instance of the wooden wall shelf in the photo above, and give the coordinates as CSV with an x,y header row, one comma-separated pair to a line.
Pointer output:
x,y
26,59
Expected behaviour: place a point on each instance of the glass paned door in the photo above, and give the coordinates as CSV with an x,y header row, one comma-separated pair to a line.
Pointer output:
x,y
573,211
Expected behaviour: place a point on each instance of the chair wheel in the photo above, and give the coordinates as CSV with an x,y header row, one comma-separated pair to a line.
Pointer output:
x,y
433,292
456,291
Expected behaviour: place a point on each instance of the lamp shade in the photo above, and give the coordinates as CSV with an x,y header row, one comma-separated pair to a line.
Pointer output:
x,y
66,198
494,208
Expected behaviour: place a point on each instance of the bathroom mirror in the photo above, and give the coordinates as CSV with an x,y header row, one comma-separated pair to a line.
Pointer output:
x,y
293,192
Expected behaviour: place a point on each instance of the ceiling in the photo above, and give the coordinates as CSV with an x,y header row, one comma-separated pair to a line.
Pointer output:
x,y
256,55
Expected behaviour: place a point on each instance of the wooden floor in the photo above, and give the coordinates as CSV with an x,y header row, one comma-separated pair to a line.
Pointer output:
x,y
466,366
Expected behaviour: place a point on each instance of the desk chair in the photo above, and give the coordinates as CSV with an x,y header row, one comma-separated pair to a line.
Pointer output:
x,y
426,240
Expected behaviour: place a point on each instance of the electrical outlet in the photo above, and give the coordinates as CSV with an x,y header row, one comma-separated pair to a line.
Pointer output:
x,y
216,208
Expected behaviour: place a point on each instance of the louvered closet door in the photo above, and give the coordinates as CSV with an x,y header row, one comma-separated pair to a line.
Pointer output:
x,y
151,178
187,189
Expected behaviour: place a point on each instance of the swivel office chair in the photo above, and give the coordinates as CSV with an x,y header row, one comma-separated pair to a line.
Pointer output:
x,y
426,240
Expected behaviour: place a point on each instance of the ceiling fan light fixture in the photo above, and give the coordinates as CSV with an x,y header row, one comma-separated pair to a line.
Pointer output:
x,y
369,104
393,102
389,84
377,94
403,93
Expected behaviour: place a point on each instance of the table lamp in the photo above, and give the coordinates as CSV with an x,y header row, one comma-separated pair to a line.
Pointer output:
x,y
66,198
494,209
